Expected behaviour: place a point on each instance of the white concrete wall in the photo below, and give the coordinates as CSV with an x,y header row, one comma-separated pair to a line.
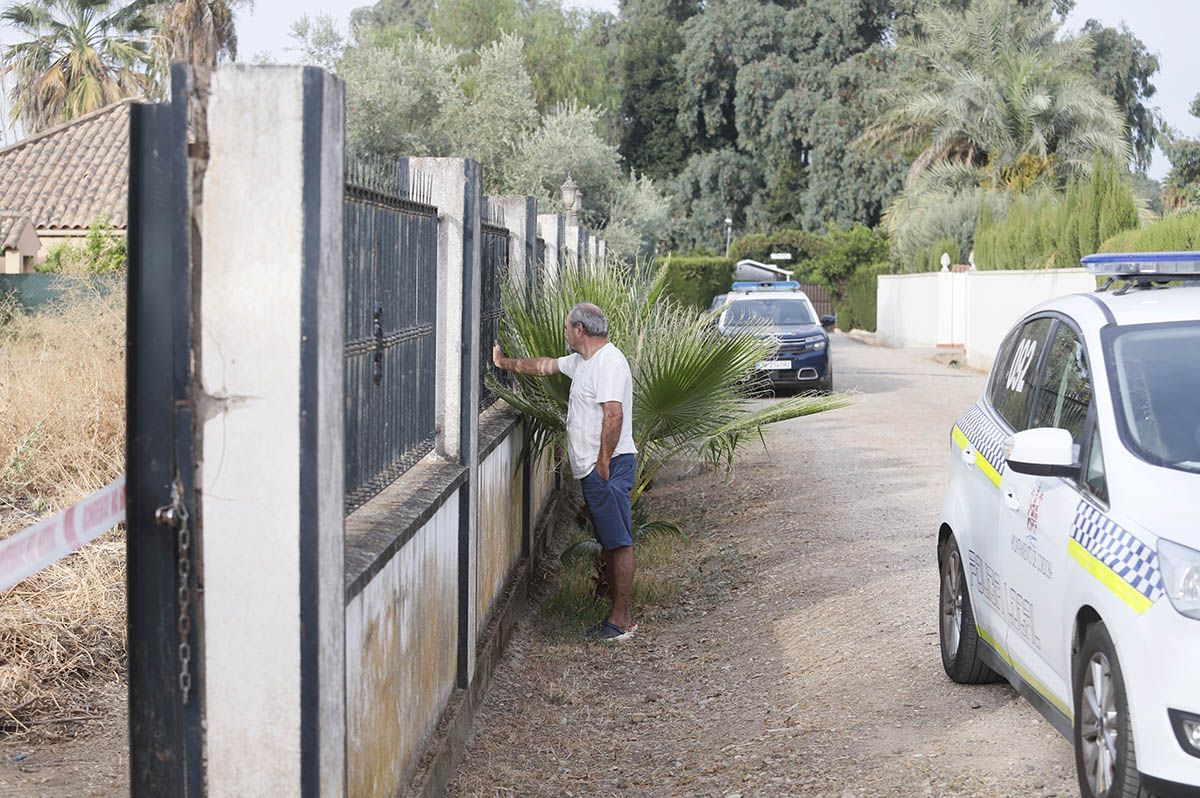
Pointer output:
x,y
401,657
907,311
995,300
552,230
972,310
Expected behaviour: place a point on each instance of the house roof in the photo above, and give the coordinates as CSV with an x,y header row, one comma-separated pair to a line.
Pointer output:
x,y
67,176
12,226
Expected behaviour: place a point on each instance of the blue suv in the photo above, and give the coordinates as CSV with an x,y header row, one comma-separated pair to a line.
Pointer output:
x,y
782,311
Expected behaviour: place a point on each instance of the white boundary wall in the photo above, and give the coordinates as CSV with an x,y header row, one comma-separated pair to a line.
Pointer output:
x,y
969,310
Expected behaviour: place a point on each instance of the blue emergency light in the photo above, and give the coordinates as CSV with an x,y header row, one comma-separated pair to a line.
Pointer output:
x,y
776,285
1145,265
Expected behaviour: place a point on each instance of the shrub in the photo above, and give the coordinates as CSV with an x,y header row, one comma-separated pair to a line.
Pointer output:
x,y
856,300
101,252
846,251
1178,232
694,281
1043,229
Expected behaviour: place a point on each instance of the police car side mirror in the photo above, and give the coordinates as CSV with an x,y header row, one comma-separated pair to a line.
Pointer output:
x,y
1044,452
828,321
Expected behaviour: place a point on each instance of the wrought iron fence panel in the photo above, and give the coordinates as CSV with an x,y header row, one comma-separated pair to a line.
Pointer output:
x,y
494,260
391,316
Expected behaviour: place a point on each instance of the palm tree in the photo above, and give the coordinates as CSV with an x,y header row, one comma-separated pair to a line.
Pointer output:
x,y
199,32
991,88
75,56
692,394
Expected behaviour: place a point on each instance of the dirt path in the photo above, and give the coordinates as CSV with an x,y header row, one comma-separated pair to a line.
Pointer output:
x,y
804,661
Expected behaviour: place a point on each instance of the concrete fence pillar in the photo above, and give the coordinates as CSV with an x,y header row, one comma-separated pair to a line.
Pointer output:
x,y
268,348
521,219
593,251
575,244
458,195
552,229
602,251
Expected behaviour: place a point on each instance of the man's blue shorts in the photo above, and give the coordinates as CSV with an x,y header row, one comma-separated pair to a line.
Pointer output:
x,y
609,502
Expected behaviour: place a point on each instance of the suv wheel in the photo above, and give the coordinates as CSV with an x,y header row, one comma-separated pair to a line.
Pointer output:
x,y
956,622
1105,760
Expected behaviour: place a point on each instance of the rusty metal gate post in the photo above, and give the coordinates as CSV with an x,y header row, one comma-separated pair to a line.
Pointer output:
x,y
166,684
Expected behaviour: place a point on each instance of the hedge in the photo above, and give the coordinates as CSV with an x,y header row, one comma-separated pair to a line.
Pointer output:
x,y
1044,229
857,303
1176,233
696,280
802,245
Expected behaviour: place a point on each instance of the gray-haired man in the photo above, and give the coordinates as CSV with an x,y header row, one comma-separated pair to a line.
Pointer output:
x,y
599,443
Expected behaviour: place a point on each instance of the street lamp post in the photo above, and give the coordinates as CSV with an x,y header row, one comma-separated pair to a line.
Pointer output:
x,y
728,234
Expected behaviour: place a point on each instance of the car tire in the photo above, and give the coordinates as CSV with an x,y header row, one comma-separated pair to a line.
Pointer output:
x,y
1105,759
826,384
957,633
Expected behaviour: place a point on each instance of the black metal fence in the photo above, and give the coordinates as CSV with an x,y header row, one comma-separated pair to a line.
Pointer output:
x,y
494,260
391,317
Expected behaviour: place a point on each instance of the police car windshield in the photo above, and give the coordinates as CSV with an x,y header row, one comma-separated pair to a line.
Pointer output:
x,y
1157,377
776,311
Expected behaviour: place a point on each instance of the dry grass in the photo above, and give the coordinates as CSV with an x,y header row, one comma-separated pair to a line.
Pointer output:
x,y
663,570
62,436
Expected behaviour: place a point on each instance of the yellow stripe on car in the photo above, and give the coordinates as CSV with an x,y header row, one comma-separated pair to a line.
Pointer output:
x,y
1029,678
980,461
1107,577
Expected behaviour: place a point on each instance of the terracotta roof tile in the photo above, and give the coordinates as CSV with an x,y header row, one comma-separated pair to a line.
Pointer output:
x,y
66,177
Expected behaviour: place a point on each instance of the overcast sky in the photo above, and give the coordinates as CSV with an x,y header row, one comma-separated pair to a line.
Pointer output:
x,y
1166,26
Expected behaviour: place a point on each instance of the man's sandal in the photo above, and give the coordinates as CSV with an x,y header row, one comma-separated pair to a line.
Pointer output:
x,y
610,633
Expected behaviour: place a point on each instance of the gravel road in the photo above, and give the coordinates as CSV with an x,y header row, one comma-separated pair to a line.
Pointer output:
x,y
803,660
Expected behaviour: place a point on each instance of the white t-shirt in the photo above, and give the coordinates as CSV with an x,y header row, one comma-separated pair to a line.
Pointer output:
x,y
604,377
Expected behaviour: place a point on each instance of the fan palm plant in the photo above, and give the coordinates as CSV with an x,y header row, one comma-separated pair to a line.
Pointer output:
x,y
692,383
75,56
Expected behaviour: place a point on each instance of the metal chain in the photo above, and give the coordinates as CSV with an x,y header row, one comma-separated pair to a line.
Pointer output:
x,y
183,545
175,515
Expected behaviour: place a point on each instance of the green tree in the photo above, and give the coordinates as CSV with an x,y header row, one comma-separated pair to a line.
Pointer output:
x,y
72,57
649,38
789,86
1123,67
317,41
1182,185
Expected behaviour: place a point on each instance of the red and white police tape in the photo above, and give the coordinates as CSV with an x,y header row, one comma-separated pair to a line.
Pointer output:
x,y
33,548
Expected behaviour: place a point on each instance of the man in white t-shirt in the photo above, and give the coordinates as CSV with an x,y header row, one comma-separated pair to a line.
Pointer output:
x,y
599,445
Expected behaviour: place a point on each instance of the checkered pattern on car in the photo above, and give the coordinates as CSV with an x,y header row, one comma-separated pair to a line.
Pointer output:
x,y
984,434
1127,557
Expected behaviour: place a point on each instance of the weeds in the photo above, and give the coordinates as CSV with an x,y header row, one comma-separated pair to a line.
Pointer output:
x,y
62,436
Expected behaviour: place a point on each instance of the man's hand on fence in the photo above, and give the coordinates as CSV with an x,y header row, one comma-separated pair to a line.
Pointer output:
x,y
497,355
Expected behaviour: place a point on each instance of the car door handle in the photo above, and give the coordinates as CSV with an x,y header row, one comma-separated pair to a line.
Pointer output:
x,y
968,456
1011,502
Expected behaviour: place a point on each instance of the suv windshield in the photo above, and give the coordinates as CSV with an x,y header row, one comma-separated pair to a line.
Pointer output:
x,y
1156,381
777,312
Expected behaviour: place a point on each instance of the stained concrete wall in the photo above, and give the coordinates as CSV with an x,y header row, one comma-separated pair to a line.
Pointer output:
x,y
401,657
501,483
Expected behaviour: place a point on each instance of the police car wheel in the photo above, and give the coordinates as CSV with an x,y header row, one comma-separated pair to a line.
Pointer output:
x,y
1105,760
956,622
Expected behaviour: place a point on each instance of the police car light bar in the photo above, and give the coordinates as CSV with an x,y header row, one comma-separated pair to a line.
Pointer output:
x,y
1166,265
778,285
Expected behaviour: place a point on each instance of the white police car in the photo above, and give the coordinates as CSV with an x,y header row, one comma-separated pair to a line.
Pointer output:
x,y
1069,548
781,310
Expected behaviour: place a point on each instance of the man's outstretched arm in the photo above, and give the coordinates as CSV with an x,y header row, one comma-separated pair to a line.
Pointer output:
x,y
536,366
